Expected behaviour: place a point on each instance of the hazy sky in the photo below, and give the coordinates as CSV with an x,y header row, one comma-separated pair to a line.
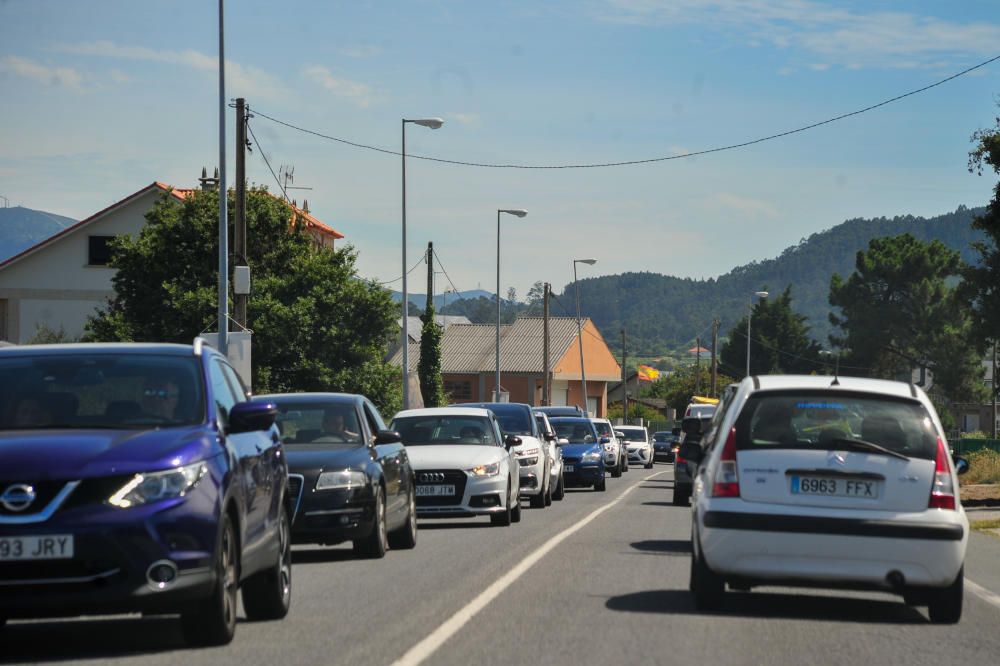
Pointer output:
x,y
99,98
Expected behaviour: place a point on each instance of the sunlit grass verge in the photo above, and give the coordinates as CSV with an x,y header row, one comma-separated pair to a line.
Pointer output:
x,y
984,467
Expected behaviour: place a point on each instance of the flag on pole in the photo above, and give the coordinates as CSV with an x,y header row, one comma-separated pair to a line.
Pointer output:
x,y
648,374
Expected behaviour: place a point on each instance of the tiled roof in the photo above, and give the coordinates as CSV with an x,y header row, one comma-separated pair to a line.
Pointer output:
x,y
471,348
307,218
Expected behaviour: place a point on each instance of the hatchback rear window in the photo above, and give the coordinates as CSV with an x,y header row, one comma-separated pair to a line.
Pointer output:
x,y
836,421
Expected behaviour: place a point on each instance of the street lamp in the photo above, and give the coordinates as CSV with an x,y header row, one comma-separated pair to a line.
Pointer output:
x,y
758,294
520,212
579,329
433,123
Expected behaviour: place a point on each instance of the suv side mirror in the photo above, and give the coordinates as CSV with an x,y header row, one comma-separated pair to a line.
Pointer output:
x,y
550,437
251,416
388,437
510,441
561,441
605,439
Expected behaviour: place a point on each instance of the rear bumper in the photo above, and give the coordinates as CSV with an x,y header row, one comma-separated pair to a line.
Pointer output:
x,y
927,550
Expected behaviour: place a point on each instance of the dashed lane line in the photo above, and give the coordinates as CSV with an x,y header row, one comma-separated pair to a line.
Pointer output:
x,y
430,644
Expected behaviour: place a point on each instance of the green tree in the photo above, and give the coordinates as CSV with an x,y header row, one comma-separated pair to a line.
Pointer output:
x,y
317,326
429,366
678,387
897,313
779,339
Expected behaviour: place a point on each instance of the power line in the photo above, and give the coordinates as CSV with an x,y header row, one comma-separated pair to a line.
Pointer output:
x,y
667,158
796,356
260,149
437,258
419,261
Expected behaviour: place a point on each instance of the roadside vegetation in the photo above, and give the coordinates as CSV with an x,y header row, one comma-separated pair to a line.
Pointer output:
x,y
984,467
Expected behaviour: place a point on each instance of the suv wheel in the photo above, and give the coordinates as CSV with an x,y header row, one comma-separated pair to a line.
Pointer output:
x,y
268,594
213,621
945,605
560,489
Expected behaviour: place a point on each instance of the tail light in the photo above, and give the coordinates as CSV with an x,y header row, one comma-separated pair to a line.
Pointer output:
x,y
943,489
727,479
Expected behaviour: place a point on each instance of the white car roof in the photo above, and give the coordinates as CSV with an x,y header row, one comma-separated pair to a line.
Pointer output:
x,y
444,411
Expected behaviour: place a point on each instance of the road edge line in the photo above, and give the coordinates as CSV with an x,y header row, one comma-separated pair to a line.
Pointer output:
x,y
983,593
434,640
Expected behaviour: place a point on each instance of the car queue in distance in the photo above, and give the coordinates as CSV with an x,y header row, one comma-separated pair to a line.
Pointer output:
x,y
144,478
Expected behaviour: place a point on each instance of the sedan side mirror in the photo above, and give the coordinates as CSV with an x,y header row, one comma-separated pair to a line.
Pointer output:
x,y
691,452
605,440
251,416
388,437
510,441
961,464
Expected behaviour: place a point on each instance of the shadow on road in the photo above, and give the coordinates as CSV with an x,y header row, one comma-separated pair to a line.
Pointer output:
x,y
71,640
666,546
658,504
453,526
321,555
773,605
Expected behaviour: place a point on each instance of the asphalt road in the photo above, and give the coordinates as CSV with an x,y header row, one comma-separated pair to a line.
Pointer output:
x,y
599,578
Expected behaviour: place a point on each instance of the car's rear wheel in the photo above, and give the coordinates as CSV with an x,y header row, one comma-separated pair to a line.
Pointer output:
x,y
503,519
706,586
268,594
213,621
376,543
945,605
560,489
405,537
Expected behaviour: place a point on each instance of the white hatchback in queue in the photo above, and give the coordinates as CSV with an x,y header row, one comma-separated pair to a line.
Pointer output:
x,y
820,482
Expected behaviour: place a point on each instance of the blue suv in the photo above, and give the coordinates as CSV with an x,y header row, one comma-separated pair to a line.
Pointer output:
x,y
139,478
582,452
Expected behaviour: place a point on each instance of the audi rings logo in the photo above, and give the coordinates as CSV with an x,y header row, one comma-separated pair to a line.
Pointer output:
x,y
431,477
17,497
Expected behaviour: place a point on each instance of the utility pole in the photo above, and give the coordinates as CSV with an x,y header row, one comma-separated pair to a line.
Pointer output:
x,y
239,249
546,398
697,366
430,279
624,380
223,299
715,358
993,390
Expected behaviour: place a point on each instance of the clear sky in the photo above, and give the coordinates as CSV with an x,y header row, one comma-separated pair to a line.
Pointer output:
x,y
99,98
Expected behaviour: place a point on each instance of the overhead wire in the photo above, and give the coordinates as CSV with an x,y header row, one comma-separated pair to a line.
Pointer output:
x,y
666,158
260,150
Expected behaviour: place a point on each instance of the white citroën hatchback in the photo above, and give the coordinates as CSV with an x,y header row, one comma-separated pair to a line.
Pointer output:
x,y
829,482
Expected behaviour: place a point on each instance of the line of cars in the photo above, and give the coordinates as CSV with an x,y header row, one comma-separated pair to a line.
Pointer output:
x,y
144,478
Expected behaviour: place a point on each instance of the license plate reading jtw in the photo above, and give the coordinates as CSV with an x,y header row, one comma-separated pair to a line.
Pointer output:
x,y
835,487
435,491
48,547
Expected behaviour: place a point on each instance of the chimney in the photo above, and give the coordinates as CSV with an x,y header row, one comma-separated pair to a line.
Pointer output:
x,y
209,183
305,205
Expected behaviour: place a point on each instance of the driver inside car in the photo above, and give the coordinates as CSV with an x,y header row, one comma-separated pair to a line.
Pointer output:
x,y
337,425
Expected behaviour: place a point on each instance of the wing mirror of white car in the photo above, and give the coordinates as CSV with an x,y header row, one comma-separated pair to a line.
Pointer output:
x,y
619,434
961,464
510,441
549,437
561,441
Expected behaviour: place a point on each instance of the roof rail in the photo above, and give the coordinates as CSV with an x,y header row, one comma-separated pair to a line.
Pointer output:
x,y
913,390
198,344
756,382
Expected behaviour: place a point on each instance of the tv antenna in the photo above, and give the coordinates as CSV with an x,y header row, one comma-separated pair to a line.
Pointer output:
x,y
6,201
288,176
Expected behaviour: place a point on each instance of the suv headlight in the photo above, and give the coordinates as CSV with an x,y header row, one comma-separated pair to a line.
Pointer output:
x,y
156,486
345,479
485,470
591,456
528,462
527,452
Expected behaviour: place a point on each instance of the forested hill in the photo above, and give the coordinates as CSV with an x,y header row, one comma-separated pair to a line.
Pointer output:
x,y
662,313
20,228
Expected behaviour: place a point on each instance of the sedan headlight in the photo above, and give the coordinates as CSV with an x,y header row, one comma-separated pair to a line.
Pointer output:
x,y
485,470
156,486
592,456
527,452
345,479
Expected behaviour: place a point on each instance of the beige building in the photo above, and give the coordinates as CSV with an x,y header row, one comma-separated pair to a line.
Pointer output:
x,y
59,282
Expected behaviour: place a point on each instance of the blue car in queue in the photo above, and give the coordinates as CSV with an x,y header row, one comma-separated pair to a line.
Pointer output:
x,y
139,478
582,451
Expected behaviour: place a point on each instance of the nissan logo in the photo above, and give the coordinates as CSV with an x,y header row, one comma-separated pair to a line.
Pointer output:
x,y
17,497
431,477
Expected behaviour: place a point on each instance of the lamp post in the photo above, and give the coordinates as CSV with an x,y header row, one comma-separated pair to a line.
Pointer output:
x,y
758,294
520,212
433,123
579,329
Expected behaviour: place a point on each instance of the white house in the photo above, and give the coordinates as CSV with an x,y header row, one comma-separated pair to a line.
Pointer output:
x,y
59,282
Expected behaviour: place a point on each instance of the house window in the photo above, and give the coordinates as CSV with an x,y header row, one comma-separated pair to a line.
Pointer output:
x,y
99,250
458,390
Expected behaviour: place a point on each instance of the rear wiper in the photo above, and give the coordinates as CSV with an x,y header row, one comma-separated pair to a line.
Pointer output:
x,y
860,444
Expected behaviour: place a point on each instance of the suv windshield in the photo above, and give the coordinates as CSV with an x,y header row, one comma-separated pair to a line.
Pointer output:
x,y
317,423
100,391
633,434
434,430
824,420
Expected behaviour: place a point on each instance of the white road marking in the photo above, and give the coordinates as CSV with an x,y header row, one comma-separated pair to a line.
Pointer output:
x,y
984,594
430,644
